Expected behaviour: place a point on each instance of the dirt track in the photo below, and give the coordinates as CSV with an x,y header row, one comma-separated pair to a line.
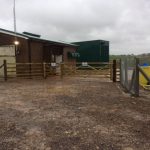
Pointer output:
x,y
76,113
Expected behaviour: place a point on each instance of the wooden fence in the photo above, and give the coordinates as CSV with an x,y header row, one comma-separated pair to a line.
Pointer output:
x,y
87,68
44,70
26,70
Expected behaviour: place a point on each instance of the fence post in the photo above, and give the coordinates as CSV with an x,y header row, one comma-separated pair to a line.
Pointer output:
x,y
5,70
136,85
110,66
44,70
126,74
114,70
121,71
62,70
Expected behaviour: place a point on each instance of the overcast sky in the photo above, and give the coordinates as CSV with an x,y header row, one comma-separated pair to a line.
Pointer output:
x,y
125,23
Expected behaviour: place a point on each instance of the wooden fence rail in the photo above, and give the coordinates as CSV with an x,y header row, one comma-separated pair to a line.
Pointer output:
x,y
44,70
86,68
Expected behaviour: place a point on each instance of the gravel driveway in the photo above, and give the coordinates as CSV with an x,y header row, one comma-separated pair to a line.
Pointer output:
x,y
72,114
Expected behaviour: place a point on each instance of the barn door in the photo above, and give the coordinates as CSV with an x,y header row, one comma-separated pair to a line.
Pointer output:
x,y
58,61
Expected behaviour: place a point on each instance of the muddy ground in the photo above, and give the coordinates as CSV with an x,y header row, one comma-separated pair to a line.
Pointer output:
x,y
72,114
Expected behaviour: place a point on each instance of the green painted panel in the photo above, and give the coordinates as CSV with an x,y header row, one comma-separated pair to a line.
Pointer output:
x,y
93,51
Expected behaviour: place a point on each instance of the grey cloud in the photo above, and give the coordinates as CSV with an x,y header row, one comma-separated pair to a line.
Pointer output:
x,y
124,23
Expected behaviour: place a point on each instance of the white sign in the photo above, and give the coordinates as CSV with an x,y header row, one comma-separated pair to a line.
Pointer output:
x,y
84,64
53,64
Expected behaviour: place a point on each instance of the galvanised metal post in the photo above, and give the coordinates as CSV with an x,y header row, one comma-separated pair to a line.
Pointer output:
x,y
136,85
114,70
120,71
126,74
5,70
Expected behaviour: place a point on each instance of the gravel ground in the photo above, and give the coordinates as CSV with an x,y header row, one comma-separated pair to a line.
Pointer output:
x,y
72,114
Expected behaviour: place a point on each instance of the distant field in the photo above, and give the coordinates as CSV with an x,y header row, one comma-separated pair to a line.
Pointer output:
x,y
143,58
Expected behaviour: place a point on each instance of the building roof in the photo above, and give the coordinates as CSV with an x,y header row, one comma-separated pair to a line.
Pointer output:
x,y
31,36
89,41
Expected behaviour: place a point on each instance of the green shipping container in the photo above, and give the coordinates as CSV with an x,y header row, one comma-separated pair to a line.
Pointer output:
x,y
93,51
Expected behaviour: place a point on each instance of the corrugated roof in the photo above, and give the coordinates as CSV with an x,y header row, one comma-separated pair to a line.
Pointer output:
x,y
12,33
25,36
